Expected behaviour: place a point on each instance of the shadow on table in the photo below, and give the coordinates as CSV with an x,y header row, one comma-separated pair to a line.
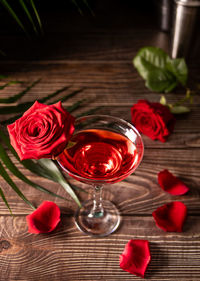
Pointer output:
x,y
159,260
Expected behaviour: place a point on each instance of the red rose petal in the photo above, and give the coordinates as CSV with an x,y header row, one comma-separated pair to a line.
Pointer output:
x,y
44,219
136,257
171,217
171,184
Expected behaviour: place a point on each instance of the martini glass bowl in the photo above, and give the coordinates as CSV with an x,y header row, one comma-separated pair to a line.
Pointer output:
x,y
102,151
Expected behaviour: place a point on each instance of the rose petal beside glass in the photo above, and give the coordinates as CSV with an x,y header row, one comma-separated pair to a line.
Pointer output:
x,y
42,132
171,217
171,184
136,257
44,219
153,119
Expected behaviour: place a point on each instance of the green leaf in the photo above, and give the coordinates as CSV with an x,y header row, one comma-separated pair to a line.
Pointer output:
x,y
37,169
16,109
88,6
160,73
2,76
179,68
57,175
13,14
6,85
5,200
179,109
149,59
8,179
36,14
160,81
24,106
9,164
17,96
77,6
22,3
28,164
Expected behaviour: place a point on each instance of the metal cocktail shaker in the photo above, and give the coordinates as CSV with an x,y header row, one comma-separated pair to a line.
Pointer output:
x,y
185,33
163,10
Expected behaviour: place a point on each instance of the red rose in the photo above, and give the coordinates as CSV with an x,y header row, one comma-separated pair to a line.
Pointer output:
x,y
136,257
42,132
44,219
152,119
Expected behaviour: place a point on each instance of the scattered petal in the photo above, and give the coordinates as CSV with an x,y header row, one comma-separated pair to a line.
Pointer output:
x,y
171,217
44,219
136,257
171,184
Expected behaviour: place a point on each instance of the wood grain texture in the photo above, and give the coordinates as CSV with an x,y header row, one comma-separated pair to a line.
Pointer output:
x,y
96,55
66,254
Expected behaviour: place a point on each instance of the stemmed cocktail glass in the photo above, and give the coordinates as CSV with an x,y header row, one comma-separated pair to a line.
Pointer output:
x,y
103,150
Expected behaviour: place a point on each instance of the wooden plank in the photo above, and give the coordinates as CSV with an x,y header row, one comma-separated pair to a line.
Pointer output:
x,y
122,87
138,194
66,254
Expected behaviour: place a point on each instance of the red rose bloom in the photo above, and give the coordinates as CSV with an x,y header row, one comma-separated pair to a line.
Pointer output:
x,y
42,132
171,184
44,219
171,217
152,119
136,257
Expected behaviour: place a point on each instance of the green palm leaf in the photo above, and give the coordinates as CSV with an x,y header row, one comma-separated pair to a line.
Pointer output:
x,y
43,167
6,85
27,11
19,95
77,6
13,14
36,14
9,164
28,164
24,106
32,166
24,7
88,6
4,199
57,175
8,179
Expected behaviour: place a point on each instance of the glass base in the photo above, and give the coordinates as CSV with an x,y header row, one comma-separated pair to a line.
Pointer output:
x,y
99,224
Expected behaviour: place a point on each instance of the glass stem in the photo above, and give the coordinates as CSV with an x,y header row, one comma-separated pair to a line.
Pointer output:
x,y
97,209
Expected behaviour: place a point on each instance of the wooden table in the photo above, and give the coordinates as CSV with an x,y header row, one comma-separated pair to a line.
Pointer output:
x,y
95,54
